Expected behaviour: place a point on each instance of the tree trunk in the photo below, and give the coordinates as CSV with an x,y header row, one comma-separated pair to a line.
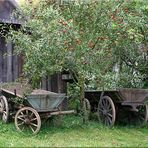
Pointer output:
x,y
82,89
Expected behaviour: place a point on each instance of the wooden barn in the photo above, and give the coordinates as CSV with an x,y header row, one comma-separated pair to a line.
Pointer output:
x,y
11,65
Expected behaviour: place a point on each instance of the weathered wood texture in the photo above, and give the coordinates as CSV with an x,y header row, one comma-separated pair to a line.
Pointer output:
x,y
9,63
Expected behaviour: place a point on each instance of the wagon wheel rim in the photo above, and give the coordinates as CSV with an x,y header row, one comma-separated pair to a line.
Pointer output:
x,y
4,109
27,119
106,111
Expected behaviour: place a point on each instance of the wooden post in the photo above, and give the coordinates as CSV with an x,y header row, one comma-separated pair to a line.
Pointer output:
x,y
9,61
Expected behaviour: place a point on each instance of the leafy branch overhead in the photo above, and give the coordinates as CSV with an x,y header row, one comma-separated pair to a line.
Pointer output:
x,y
88,39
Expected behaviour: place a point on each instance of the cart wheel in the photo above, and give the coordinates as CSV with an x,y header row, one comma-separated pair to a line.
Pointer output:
x,y
28,119
140,118
106,111
4,109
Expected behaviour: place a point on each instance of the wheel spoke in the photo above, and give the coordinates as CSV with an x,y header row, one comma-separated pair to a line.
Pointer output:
x,y
22,114
109,119
109,115
104,103
109,107
32,128
34,124
20,117
100,109
31,115
33,119
110,110
107,104
22,123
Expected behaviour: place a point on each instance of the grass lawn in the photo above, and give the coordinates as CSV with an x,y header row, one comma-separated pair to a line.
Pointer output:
x,y
72,133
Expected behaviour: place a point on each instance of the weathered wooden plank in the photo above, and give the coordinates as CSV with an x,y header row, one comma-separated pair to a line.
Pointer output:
x,y
15,67
4,62
54,85
49,83
44,83
9,62
20,65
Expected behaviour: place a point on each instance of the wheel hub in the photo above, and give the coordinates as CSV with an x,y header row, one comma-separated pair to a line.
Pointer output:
x,y
27,121
105,112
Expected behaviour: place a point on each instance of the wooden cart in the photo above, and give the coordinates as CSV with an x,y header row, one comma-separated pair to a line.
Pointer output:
x,y
37,105
109,104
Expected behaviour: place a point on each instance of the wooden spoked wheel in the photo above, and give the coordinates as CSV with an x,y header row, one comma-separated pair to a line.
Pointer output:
x,y
140,118
4,109
27,119
106,111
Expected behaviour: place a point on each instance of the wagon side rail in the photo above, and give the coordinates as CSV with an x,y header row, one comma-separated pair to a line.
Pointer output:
x,y
10,93
134,96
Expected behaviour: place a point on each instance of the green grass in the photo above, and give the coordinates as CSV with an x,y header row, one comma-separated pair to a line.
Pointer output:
x,y
72,133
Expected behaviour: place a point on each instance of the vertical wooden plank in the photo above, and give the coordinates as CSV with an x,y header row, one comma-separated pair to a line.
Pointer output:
x,y
20,65
62,88
49,83
9,62
4,62
15,67
44,83
54,84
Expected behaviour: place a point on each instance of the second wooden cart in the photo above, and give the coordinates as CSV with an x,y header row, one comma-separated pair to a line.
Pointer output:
x,y
108,104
